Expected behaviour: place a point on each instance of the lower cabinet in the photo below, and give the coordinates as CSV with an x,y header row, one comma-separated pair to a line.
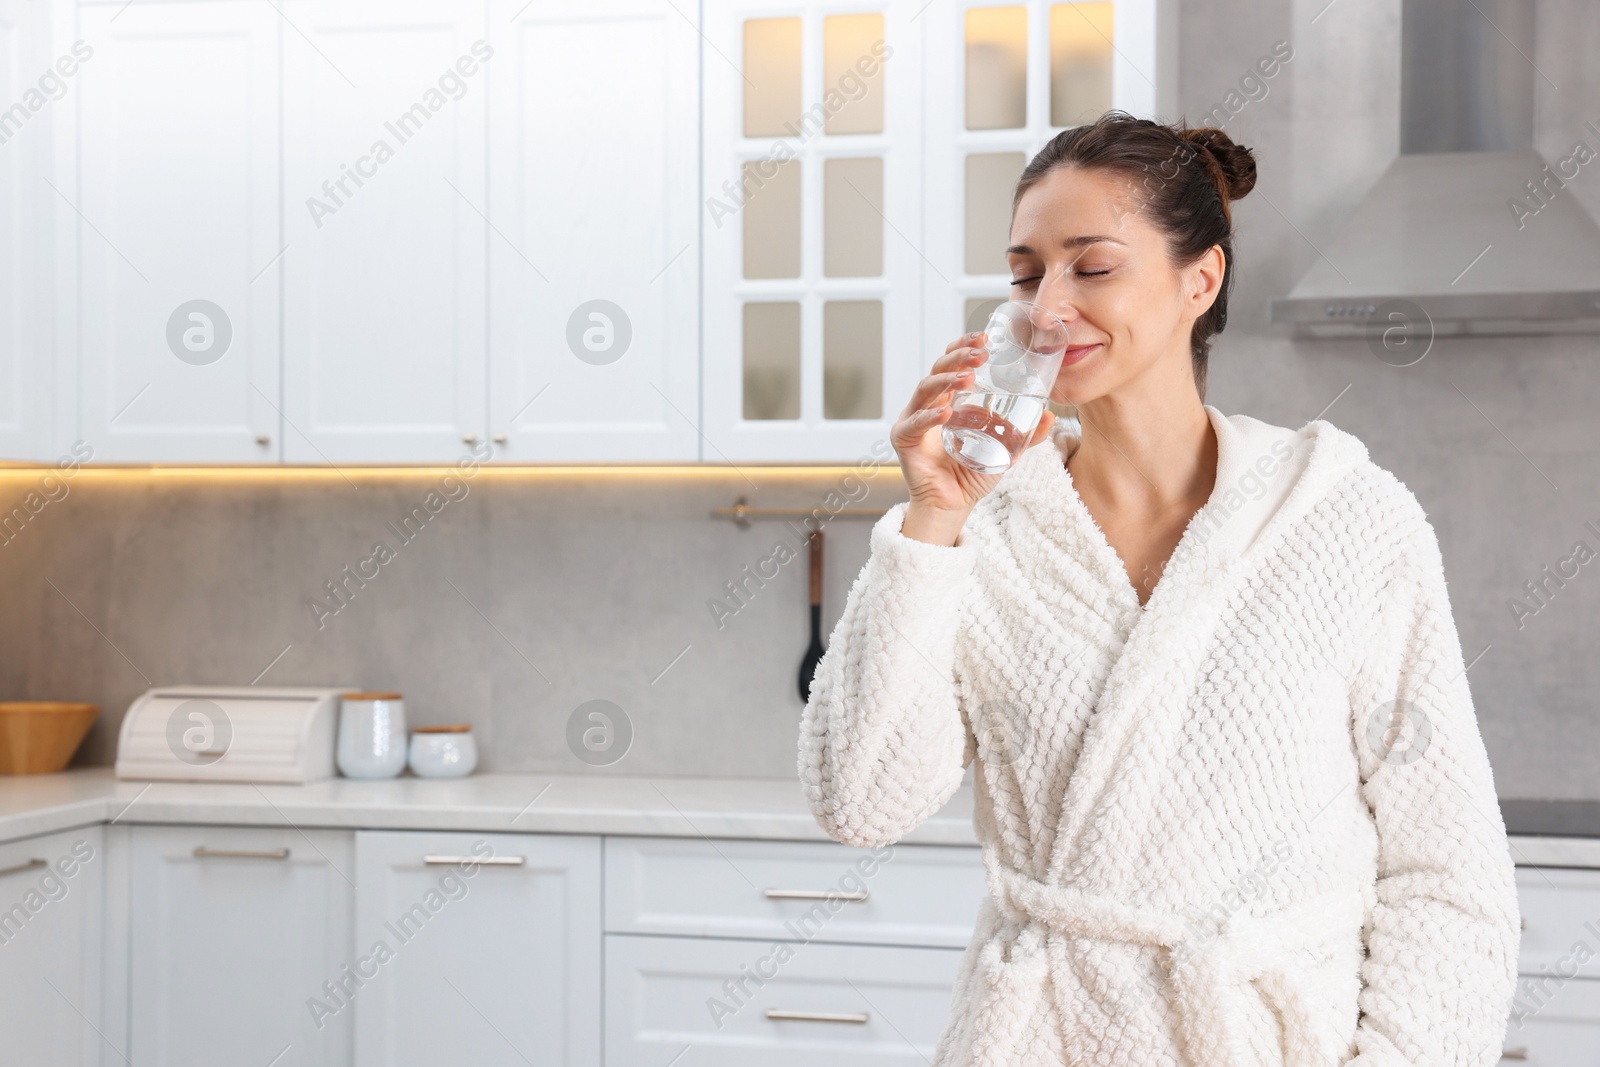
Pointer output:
x,y
1555,1013
478,949
782,952
730,1003
234,932
51,894
1554,1023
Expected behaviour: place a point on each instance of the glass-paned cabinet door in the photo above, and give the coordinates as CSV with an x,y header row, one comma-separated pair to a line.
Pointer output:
x,y
1003,79
813,226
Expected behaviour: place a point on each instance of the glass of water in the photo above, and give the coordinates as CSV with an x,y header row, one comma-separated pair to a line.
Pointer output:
x,y
991,422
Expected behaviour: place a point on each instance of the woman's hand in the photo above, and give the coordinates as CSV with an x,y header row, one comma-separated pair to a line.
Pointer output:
x,y
943,490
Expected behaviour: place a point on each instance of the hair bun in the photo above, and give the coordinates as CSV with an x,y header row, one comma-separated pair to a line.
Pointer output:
x,y
1235,163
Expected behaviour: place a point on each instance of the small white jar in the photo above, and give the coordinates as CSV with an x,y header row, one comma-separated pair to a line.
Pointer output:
x,y
443,751
372,735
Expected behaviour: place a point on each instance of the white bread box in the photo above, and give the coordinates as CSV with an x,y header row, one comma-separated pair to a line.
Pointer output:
x,y
230,734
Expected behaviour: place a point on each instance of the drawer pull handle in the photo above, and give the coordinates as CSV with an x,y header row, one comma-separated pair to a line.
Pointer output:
x,y
1514,1054
204,853
858,897
19,868
492,861
819,1016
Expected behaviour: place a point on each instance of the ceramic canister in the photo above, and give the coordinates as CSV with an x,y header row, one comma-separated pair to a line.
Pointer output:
x,y
372,735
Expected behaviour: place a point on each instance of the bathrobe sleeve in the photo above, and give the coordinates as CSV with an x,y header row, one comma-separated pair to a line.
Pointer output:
x,y
1440,969
884,741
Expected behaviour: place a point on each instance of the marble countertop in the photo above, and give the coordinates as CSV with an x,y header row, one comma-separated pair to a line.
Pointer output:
x,y
761,808
1542,832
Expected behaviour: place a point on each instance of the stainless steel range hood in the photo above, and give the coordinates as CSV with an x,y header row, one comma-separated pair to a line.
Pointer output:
x,y
1468,223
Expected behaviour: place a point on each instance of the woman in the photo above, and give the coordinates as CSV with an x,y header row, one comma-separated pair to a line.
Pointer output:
x,y
1234,806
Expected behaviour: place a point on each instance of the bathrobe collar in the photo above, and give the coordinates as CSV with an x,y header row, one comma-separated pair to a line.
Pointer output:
x,y
1268,477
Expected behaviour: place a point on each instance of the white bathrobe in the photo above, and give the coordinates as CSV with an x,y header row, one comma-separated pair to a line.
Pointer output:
x,y
1249,823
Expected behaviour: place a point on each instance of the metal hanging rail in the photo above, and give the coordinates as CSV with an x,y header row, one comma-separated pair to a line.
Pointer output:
x,y
742,513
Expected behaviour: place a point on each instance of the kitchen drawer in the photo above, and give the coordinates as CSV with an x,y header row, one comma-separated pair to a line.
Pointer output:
x,y
1554,1024
879,1004
924,895
1560,908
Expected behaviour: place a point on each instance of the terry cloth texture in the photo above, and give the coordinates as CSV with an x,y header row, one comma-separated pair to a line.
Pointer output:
x,y
1250,823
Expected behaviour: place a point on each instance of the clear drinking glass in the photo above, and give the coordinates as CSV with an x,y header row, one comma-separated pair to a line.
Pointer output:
x,y
991,422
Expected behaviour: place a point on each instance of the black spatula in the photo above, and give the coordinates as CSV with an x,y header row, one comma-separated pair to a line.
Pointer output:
x,y
808,665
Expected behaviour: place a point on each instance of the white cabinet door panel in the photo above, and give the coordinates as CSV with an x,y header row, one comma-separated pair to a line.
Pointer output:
x,y
51,897
26,117
595,254
924,895
1554,1023
882,1005
477,948
385,113
1560,908
177,232
237,934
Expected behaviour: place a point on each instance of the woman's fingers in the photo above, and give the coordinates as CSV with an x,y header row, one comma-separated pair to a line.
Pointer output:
x,y
934,386
971,340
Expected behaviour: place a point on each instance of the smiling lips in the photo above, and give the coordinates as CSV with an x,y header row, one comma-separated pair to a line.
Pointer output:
x,y
1074,353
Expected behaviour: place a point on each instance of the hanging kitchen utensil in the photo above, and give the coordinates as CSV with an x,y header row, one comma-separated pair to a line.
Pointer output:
x,y
808,665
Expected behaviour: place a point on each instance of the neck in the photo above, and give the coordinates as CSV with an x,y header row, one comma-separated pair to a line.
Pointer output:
x,y
1146,454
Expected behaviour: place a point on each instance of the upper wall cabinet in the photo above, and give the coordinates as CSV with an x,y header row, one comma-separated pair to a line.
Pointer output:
x,y
176,204
813,226
25,149
385,114
1011,77
357,231
594,253
859,166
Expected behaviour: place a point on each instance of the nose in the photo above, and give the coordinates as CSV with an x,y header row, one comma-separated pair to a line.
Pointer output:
x,y
1055,294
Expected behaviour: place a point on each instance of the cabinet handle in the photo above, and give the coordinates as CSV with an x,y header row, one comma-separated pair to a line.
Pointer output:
x,y
859,897
469,438
501,438
819,1016
204,853
19,868
1514,1054
492,861
264,440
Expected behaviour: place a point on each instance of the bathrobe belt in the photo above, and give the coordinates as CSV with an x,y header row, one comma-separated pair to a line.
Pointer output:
x,y
1211,970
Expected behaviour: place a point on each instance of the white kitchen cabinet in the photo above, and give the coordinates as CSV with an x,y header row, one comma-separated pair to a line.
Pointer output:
x,y
176,211
1560,909
51,899
26,150
784,1005
238,934
385,206
477,948
813,226
1002,81
1554,1023
594,257
922,895
857,221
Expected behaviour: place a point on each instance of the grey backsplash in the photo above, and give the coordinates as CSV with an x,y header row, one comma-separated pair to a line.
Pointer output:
x,y
530,596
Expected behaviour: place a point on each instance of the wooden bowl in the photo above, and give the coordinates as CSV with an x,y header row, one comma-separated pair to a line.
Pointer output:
x,y
40,736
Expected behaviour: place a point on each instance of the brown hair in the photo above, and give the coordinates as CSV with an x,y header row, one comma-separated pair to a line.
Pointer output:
x,y
1186,179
